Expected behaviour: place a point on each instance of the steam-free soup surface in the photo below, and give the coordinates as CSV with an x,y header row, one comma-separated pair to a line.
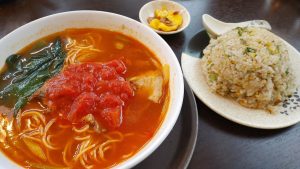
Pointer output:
x,y
100,108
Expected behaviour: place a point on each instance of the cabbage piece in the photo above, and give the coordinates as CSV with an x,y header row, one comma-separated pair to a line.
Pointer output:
x,y
35,149
152,82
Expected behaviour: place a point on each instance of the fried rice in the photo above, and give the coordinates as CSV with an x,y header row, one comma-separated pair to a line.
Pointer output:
x,y
250,65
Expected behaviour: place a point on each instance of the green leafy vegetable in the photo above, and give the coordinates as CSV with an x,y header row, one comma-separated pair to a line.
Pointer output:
x,y
25,75
287,71
240,30
213,77
250,50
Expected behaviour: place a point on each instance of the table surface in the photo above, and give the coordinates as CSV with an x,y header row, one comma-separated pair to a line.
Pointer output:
x,y
221,143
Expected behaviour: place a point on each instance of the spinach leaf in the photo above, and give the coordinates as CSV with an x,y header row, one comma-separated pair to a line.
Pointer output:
x,y
25,75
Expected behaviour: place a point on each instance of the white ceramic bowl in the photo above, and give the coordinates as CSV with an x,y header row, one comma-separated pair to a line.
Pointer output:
x,y
148,11
37,29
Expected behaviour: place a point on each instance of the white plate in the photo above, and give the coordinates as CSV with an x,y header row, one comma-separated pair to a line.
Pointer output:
x,y
284,117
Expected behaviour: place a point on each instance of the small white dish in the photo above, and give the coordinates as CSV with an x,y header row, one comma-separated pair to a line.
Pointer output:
x,y
148,11
286,115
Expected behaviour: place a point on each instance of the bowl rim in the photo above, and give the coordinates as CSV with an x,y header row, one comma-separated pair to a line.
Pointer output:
x,y
160,135
188,19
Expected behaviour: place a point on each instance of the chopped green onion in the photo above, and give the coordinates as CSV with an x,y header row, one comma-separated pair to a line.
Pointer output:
x,y
250,51
287,71
240,30
213,77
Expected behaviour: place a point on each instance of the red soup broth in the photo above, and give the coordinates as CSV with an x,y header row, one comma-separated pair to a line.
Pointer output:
x,y
141,117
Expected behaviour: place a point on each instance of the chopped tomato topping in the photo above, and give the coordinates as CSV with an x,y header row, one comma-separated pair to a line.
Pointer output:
x,y
90,88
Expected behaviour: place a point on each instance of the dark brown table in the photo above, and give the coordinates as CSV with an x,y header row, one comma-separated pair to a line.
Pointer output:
x,y
221,143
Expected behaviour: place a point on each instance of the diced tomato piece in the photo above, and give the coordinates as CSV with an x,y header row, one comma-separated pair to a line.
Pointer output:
x,y
109,101
82,105
62,90
112,117
126,88
118,65
90,88
124,96
89,83
101,86
108,73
